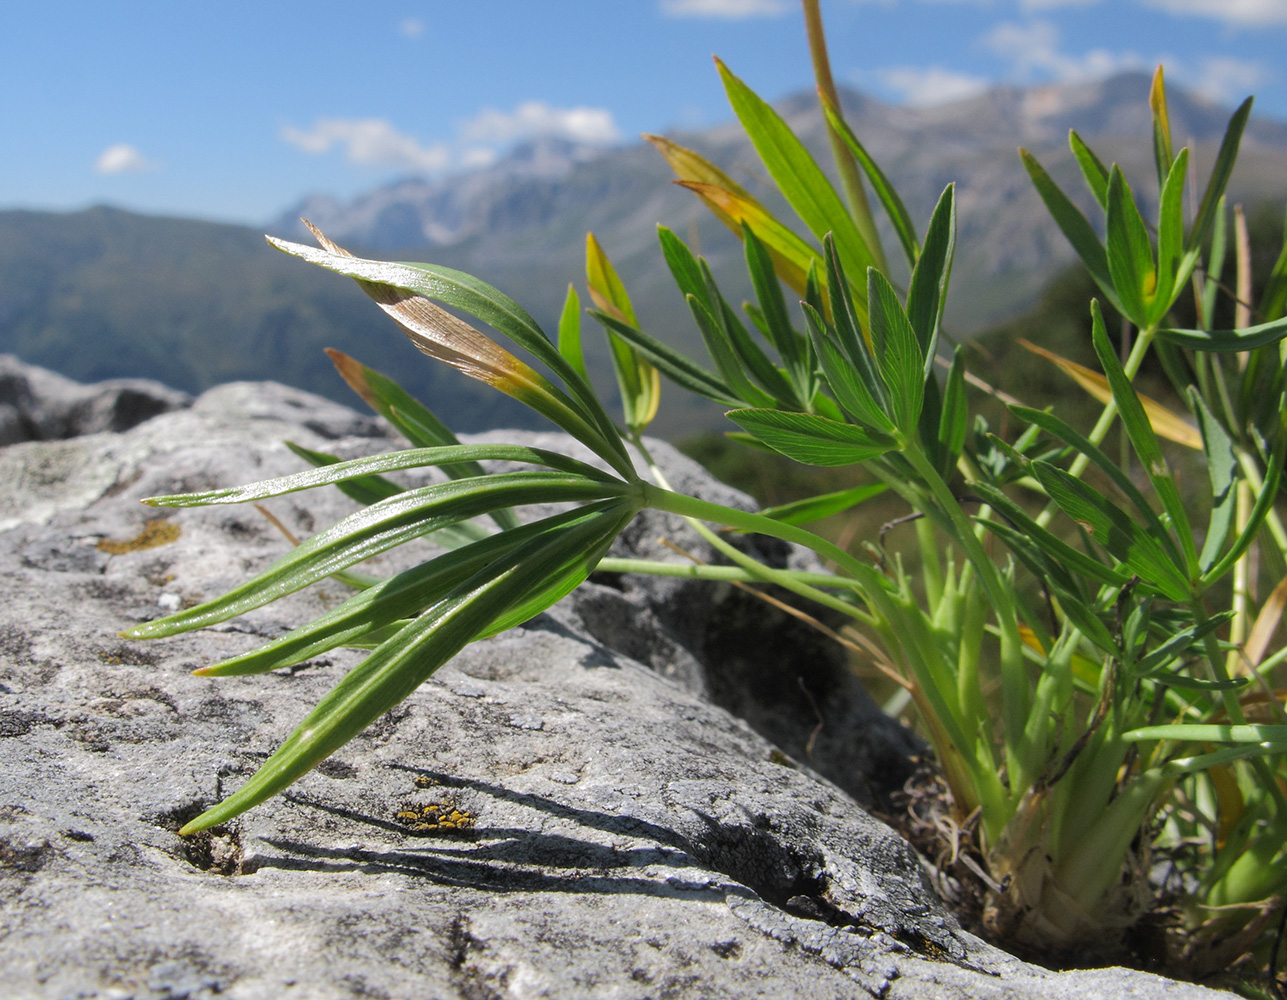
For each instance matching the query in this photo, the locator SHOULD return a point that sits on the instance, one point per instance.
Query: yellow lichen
(157, 532)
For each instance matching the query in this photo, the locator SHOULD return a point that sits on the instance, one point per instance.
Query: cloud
(1222, 78)
(374, 142)
(536, 118)
(369, 142)
(122, 158)
(1240, 13)
(1033, 50)
(930, 86)
(411, 27)
(728, 10)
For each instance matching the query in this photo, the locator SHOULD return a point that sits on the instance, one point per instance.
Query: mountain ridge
(105, 293)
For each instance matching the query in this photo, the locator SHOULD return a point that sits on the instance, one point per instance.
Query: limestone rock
(620, 830)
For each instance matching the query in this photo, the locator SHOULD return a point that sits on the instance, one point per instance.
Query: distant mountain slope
(527, 214)
(105, 293)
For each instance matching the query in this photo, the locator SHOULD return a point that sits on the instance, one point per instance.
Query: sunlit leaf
(638, 380)
(810, 439)
(1166, 423)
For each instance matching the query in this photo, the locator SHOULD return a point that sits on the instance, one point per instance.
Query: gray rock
(40, 405)
(622, 832)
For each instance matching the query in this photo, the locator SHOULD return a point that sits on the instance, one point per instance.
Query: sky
(234, 111)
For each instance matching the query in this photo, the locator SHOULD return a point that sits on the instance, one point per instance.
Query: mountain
(105, 293)
(524, 218)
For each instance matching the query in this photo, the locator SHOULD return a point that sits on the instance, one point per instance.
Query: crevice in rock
(217, 850)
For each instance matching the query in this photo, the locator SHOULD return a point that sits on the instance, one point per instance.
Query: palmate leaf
(404, 662)
(845, 380)
(378, 528)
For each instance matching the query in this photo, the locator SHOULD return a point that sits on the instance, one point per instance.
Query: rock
(613, 828)
(40, 405)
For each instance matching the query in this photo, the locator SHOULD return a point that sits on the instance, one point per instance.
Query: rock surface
(623, 832)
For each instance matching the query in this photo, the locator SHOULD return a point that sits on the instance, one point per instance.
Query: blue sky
(235, 110)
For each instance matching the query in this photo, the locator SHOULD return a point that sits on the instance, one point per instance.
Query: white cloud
(122, 158)
(930, 86)
(536, 118)
(1222, 78)
(1242, 13)
(1033, 50)
(411, 27)
(374, 142)
(370, 142)
(729, 10)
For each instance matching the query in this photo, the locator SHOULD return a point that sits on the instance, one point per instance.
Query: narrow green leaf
(1264, 501)
(1211, 733)
(824, 505)
(356, 468)
(679, 369)
(1092, 168)
(1247, 339)
(1222, 469)
(885, 192)
(798, 176)
(1220, 175)
(1052, 424)
(1056, 549)
(1175, 647)
(1173, 265)
(570, 332)
(366, 490)
(1273, 301)
(1130, 254)
(637, 378)
(1145, 442)
(1162, 155)
(1125, 540)
(590, 424)
(411, 418)
(927, 293)
(683, 265)
(750, 355)
(377, 529)
(391, 601)
(721, 352)
(768, 294)
(846, 380)
(897, 352)
(810, 439)
(403, 663)
(1074, 226)
(954, 416)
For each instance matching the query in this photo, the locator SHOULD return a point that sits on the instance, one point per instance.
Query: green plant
(1092, 671)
